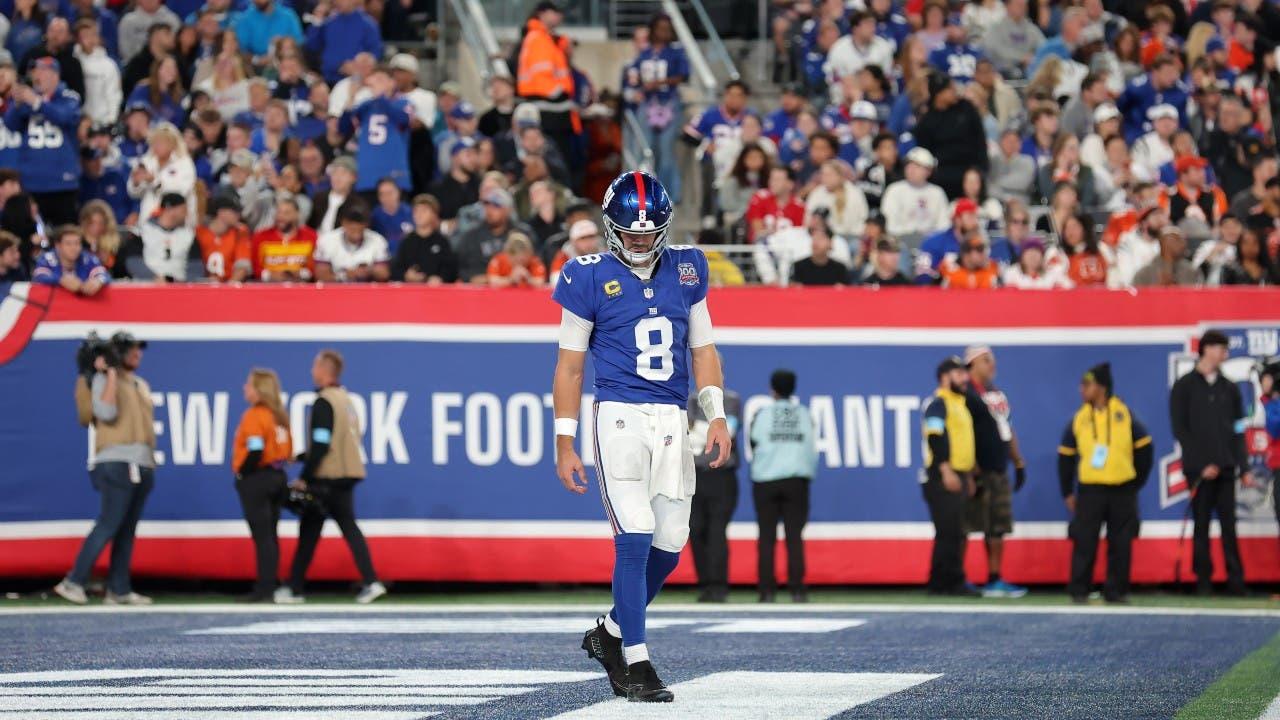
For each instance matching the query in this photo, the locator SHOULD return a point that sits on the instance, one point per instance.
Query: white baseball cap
(1105, 112)
(404, 61)
(1163, 110)
(863, 110)
(922, 157)
(581, 229)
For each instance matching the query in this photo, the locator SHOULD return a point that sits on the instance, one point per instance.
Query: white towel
(666, 463)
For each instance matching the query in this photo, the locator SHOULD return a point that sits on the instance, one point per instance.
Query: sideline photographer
(123, 469)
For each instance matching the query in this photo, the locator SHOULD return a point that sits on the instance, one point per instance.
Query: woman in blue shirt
(162, 92)
(653, 80)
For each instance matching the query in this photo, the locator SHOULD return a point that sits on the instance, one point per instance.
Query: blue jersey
(715, 124)
(110, 188)
(777, 123)
(894, 28)
(640, 339)
(957, 61)
(392, 226)
(48, 269)
(836, 121)
(650, 65)
(50, 156)
(382, 128)
(10, 146)
(1140, 96)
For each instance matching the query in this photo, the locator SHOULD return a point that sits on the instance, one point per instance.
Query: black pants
(713, 505)
(787, 499)
(58, 208)
(262, 492)
(339, 503)
(1216, 496)
(1117, 506)
(946, 510)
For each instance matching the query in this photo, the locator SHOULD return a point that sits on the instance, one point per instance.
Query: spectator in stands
(461, 185)
(381, 124)
(26, 28)
(1106, 123)
(1064, 203)
(815, 58)
(750, 173)
(544, 200)
(312, 170)
(289, 182)
(1248, 202)
(162, 92)
(227, 85)
(1161, 86)
(1088, 263)
(845, 205)
(659, 70)
(776, 207)
(479, 244)
(852, 52)
(165, 168)
(1115, 175)
(253, 116)
(1231, 146)
(352, 252)
(1002, 100)
(498, 118)
(914, 207)
(974, 189)
(350, 90)
(269, 139)
(1171, 266)
(1155, 149)
(59, 45)
(543, 75)
(283, 252)
(1219, 251)
(247, 178)
(1063, 45)
(1078, 116)
(1065, 167)
(584, 239)
(102, 93)
(1013, 41)
(1044, 130)
(325, 204)
(102, 237)
(12, 269)
(1013, 173)
(884, 266)
(50, 170)
(974, 270)
(136, 24)
(391, 217)
(339, 34)
(258, 25)
(425, 255)
(69, 264)
(1140, 246)
(470, 216)
(885, 169)
(933, 27)
(715, 125)
(1253, 265)
(952, 130)
(1031, 272)
(100, 182)
(169, 250)
(462, 124)
(790, 103)
(956, 59)
(517, 265)
(1017, 228)
(224, 242)
(160, 44)
(819, 268)
(1194, 204)
(823, 146)
(945, 246)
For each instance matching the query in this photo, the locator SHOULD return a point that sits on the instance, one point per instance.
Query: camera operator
(123, 469)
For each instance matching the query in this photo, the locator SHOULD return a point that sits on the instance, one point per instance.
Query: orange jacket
(959, 277)
(543, 70)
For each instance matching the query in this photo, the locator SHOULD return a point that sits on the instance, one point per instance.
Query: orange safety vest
(543, 65)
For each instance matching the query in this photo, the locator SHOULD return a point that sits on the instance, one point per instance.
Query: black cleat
(607, 649)
(643, 685)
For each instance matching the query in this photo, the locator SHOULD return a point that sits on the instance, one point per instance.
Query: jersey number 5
(377, 129)
(646, 330)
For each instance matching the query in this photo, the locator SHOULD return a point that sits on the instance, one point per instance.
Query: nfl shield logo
(666, 440)
(648, 293)
(620, 424)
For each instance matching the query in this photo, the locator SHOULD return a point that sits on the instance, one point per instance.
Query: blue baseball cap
(464, 143)
(47, 62)
(137, 106)
(1215, 44)
(463, 110)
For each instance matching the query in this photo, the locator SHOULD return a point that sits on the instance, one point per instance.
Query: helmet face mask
(637, 214)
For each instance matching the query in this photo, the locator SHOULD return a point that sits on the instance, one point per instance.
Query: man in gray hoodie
(1011, 42)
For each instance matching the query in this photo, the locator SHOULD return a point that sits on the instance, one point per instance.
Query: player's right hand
(572, 474)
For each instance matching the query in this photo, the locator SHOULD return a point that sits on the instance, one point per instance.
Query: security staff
(261, 448)
(949, 460)
(784, 459)
(714, 501)
(1208, 419)
(990, 510)
(332, 468)
(123, 471)
(1109, 452)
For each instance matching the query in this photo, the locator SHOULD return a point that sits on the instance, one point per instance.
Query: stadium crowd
(962, 144)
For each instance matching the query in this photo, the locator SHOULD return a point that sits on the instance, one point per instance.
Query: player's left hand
(570, 470)
(718, 437)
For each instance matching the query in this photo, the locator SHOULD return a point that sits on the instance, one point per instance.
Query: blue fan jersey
(958, 61)
(50, 157)
(383, 134)
(640, 339)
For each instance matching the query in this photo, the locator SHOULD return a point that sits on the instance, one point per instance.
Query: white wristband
(567, 427)
(711, 400)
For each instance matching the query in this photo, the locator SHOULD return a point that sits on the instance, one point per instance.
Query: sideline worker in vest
(262, 446)
(1109, 452)
(332, 469)
(949, 459)
(784, 458)
(123, 470)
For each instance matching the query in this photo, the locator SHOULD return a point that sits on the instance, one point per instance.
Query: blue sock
(631, 556)
(661, 564)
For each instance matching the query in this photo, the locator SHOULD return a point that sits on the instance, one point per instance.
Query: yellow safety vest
(959, 427)
(1111, 428)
